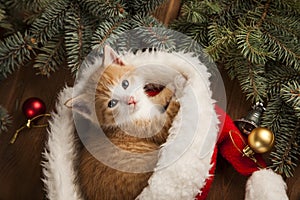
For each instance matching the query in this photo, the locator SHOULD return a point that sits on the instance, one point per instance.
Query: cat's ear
(80, 104)
(111, 57)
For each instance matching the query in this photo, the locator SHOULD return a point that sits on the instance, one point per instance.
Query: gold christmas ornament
(260, 140)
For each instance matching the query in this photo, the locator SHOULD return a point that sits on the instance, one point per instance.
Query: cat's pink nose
(131, 100)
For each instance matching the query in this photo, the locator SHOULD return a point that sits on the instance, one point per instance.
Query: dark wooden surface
(20, 169)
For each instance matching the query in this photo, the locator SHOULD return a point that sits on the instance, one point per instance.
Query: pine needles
(15, 50)
(54, 32)
(258, 42)
(5, 120)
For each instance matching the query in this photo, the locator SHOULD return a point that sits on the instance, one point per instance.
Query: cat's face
(120, 97)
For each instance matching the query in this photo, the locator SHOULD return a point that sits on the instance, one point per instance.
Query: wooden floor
(20, 170)
(20, 163)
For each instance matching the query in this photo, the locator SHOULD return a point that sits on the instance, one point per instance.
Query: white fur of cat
(181, 170)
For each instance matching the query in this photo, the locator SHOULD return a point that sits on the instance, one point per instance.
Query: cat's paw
(179, 82)
(177, 85)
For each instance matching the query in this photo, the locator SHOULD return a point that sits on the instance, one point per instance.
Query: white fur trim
(265, 185)
(185, 177)
(60, 152)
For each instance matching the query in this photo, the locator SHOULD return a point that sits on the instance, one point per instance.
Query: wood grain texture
(168, 11)
(20, 169)
(228, 183)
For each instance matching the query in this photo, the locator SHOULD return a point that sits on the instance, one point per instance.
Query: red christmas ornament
(33, 107)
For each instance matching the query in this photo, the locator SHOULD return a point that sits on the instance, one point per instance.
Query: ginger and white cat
(133, 121)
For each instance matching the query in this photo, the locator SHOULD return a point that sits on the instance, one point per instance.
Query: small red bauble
(33, 107)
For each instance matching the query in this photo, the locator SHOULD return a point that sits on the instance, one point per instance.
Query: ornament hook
(29, 125)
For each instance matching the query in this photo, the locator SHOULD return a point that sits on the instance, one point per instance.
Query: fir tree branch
(142, 7)
(74, 38)
(3, 19)
(264, 14)
(282, 51)
(263, 55)
(51, 22)
(277, 76)
(104, 8)
(5, 120)
(191, 12)
(221, 39)
(276, 24)
(291, 95)
(285, 158)
(15, 50)
(144, 21)
(197, 32)
(2, 14)
(156, 37)
(252, 81)
(273, 115)
(233, 61)
(283, 123)
(51, 57)
(27, 5)
(249, 40)
(110, 28)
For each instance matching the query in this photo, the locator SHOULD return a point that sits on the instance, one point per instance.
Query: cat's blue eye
(125, 84)
(112, 103)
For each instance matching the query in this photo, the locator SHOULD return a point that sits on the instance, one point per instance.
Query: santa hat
(187, 176)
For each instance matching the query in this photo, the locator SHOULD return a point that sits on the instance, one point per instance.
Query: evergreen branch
(220, 40)
(191, 12)
(264, 14)
(249, 40)
(277, 76)
(30, 10)
(197, 32)
(291, 95)
(282, 51)
(5, 120)
(156, 37)
(110, 28)
(51, 22)
(27, 5)
(3, 19)
(199, 11)
(283, 123)
(273, 115)
(263, 54)
(51, 57)
(14, 52)
(286, 7)
(142, 7)
(136, 34)
(141, 21)
(233, 61)
(2, 14)
(252, 81)
(287, 151)
(276, 25)
(74, 38)
(104, 8)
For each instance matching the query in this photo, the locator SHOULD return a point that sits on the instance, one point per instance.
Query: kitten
(132, 121)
